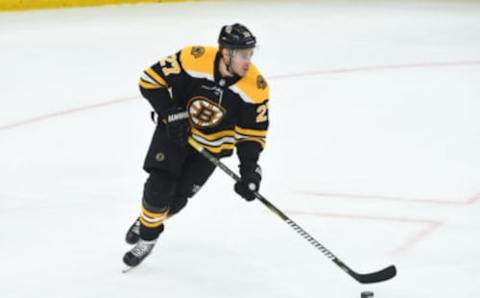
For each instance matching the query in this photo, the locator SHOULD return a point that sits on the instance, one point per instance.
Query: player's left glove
(249, 183)
(177, 124)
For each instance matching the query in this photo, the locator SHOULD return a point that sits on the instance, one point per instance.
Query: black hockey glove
(177, 125)
(249, 183)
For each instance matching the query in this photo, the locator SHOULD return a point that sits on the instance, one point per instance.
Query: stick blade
(379, 276)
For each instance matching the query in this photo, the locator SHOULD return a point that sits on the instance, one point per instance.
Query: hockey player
(215, 96)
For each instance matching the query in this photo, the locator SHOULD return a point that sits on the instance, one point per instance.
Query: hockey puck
(367, 294)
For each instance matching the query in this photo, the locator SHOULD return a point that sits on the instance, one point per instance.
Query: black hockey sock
(149, 234)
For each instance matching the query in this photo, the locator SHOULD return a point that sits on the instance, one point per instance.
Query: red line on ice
(423, 233)
(376, 68)
(65, 112)
(469, 201)
(272, 77)
(417, 237)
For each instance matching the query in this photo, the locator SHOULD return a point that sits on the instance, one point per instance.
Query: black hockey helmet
(236, 36)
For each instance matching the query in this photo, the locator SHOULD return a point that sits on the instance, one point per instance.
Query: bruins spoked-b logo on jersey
(197, 51)
(261, 83)
(204, 113)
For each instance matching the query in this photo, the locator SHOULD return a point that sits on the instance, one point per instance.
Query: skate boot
(139, 252)
(133, 233)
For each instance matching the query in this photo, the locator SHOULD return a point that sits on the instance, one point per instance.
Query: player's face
(241, 61)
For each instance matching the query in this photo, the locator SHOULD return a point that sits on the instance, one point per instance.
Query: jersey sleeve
(158, 78)
(250, 134)
(253, 124)
(163, 74)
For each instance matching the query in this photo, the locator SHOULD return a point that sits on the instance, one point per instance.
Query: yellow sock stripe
(251, 132)
(154, 215)
(156, 77)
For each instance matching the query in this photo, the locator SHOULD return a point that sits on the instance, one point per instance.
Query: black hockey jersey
(223, 111)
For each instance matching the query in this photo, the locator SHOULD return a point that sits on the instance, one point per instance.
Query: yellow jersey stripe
(218, 149)
(251, 132)
(147, 85)
(156, 77)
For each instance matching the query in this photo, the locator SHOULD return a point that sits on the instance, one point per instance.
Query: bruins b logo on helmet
(197, 52)
(261, 83)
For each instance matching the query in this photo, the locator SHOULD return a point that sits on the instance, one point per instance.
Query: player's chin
(242, 72)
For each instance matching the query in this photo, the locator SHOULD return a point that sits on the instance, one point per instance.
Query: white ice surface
(373, 149)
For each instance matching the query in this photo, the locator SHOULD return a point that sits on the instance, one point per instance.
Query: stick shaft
(384, 274)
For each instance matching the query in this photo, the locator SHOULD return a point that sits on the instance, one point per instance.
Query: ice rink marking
(44, 117)
(471, 200)
(430, 225)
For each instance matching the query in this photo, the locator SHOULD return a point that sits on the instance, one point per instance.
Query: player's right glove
(249, 183)
(177, 125)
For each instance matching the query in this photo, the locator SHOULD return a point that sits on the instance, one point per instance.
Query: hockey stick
(378, 276)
